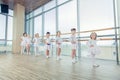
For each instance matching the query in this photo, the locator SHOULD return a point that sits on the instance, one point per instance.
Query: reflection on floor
(24, 67)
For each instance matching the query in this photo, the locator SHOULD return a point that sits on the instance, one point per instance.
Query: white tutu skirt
(74, 46)
(47, 47)
(23, 44)
(58, 46)
(94, 50)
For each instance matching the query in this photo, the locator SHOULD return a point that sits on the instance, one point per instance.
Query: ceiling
(30, 5)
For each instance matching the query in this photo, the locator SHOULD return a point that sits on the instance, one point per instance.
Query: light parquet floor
(29, 67)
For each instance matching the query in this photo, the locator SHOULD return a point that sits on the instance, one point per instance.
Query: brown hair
(47, 32)
(73, 29)
(92, 34)
(24, 33)
(57, 32)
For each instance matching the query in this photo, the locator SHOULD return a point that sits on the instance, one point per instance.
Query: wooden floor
(24, 67)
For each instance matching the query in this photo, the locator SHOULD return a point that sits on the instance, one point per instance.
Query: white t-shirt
(73, 39)
(91, 42)
(59, 40)
(92, 47)
(24, 41)
(36, 40)
(28, 40)
(48, 41)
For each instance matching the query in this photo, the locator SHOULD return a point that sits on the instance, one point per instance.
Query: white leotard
(58, 42)
(95, 49)
(73, 41)
(48, 43)
(24, 41)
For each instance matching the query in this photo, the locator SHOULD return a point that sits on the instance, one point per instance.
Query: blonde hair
(37, 35)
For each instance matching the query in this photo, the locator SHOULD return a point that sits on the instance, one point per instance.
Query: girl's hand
(73, 42)
(91, 45)
(58, 43)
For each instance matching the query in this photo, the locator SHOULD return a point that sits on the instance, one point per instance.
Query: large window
(49, 5)
(38, 25)
(10, 28)
(50, 25)
(67, 17)
(6, 28)
(30, 15)
(37, 11)
(98, 14)
(50, 22)
(2, 26)
(9, 33)
(29, 27)
(95, 14)
(61, 1)
(84, 16)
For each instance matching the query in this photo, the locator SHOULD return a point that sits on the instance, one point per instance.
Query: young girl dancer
(48, 44)
(93, 48)
(58, 44)
(73, 41)
(36, 41)
(23, 42)
(28, 43)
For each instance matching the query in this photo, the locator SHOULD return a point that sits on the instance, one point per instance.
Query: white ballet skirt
(48, 44)
(73, 39)
(28, 40)
(24, 41)
(93, 50)
(58, 42)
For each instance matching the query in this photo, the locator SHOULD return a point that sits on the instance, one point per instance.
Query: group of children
(26, 42)
(59, 41)
(93, 48)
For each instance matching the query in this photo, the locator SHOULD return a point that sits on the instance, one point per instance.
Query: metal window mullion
(33, 25)
(115, 25)
(6, 30)
(78, 28)
(43, 19)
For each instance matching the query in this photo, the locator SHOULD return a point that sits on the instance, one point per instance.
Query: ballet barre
(95, 30)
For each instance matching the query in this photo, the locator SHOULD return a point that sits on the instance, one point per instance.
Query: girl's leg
(29, 49)
(47, 53)
(93, 59)
(73, 55)
(35, 50)
(58, 53)
(38, 51)
(22, 49)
